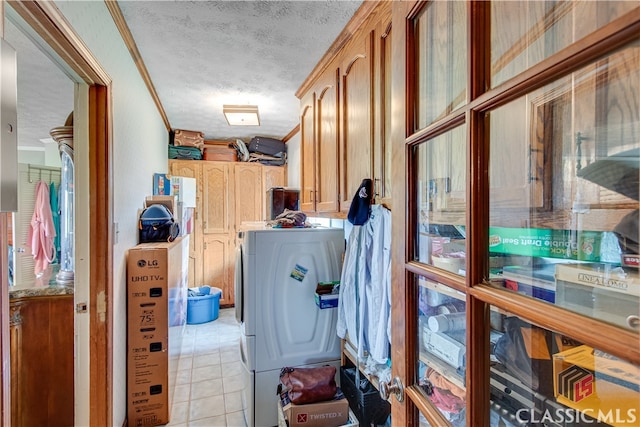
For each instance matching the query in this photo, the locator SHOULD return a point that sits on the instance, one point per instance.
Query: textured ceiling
(45, 93)
(201, 55)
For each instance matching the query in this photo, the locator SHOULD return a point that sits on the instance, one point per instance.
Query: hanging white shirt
(364, 306)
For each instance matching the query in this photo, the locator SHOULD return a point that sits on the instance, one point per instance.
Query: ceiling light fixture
(241, 115)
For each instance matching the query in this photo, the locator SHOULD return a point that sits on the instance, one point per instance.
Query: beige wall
(139, 150)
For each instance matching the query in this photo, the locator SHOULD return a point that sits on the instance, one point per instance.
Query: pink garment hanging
(42, 231)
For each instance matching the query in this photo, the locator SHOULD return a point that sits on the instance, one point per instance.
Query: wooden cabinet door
(217, 260)
(273, 176)
(42, 361)
(326, 148)
(248, 193)
(193, 169)
(216, 219)
(356, 148)
(307, 153)
(602, 105)
(216, 207)
(382, 106)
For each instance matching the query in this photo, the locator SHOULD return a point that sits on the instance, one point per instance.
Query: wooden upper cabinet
(356, 148)
(326, 94)
(248, 193)
(307, 153)
(382, 111)
(187, 168)
(345, 119)
(319, 153)
(273, 176)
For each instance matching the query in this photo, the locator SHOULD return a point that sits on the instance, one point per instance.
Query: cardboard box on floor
(282, 421)
(330, 413)
(156, 301)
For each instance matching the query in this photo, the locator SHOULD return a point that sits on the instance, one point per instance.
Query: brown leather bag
(188, 138)
(309, 385)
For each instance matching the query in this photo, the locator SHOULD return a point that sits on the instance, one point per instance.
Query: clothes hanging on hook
(42, 231)
(364, 304)
(55, 214)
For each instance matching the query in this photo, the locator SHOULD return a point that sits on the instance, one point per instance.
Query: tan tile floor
(209, 384)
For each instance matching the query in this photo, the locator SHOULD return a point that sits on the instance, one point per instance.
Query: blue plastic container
(204, 308)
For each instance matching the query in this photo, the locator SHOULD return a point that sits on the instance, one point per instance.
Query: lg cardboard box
(156, 312)
(331, 413)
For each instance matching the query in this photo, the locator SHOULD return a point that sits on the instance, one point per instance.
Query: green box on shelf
(538, 242)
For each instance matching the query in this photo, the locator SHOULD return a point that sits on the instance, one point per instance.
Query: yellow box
(597, 384)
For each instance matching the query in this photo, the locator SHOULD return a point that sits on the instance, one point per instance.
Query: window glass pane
(564, 185)
(441, 60)
(442, 354)
(424, 422)
(441, 201)
(524, 33)
(539, 377)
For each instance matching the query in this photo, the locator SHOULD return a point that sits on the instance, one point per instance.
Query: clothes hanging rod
(38, 169)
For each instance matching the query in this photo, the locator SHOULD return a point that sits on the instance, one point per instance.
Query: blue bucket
(203, 308)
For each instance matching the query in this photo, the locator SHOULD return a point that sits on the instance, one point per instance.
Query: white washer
(277, 271)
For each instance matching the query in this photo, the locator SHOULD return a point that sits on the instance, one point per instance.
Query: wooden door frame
(401, 412)
(46, 20)
(479, 295)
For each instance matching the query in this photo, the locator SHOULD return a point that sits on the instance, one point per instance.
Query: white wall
(31, 156)
(293, 162)
(48, 155)
(139, 149)
(52, 155)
